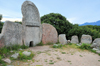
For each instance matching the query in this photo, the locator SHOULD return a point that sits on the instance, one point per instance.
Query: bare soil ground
(46, 56)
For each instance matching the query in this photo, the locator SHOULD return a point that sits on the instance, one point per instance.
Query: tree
(80, 30)
(58, 21)
(0, 17)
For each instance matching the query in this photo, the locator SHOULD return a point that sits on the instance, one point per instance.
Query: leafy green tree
(80, 30)
(18, 22)
(0, 17)
(1, 25)
(58, 21)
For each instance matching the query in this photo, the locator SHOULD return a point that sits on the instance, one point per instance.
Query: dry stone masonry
(50, 34)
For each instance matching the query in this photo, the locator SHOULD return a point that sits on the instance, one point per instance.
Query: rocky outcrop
(49, 34)
(74, 39)
(68, 41)
(86, 39)
(62, 39)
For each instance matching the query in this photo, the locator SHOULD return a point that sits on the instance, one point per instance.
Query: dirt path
(46, 56)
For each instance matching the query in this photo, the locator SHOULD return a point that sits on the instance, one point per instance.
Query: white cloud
(72, 20)
(11, 19)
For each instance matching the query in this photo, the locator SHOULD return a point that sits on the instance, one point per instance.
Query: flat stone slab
(7, 60)
(62, 39)
(15, 56)
(26, 53)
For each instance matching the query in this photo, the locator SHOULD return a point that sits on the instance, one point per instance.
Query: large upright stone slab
(62, 39)
(86, 39)
(12, 33)
(74, 39)
(50, 34)
(96, 43)
(32, 32)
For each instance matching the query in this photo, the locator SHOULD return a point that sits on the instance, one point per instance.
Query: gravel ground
(46, 56)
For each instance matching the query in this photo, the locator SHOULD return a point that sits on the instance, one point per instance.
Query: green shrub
(85, 46)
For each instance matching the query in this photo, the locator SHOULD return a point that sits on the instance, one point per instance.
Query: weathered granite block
(12, 33)
(50, 34)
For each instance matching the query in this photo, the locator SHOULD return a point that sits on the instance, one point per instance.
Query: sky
(76, 11)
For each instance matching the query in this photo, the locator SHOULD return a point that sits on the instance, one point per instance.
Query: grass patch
(57, 46)
(23, 57)
(51, 63)
(5, 51)
(68, 61)
(81, 56)
(63, 52)
(48, 54)
(58, 58)
(33, 60)
(45, 60)
(71, 54)
(85, 46)
(99, 60)
(39, 65)
(38, 52)
(2, 63)
(49, 43)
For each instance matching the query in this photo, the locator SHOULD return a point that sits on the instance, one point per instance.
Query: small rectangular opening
(31, 44)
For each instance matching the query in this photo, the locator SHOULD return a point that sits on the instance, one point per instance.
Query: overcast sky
(76, 11)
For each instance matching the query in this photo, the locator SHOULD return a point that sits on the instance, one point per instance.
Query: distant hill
(91, 23)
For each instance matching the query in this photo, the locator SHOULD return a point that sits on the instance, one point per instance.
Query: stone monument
(32, 32)
(12, 33)
(74, 39)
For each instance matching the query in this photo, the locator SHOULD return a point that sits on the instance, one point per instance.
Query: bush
(80, 30)
(60, 22)
(85, 46)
